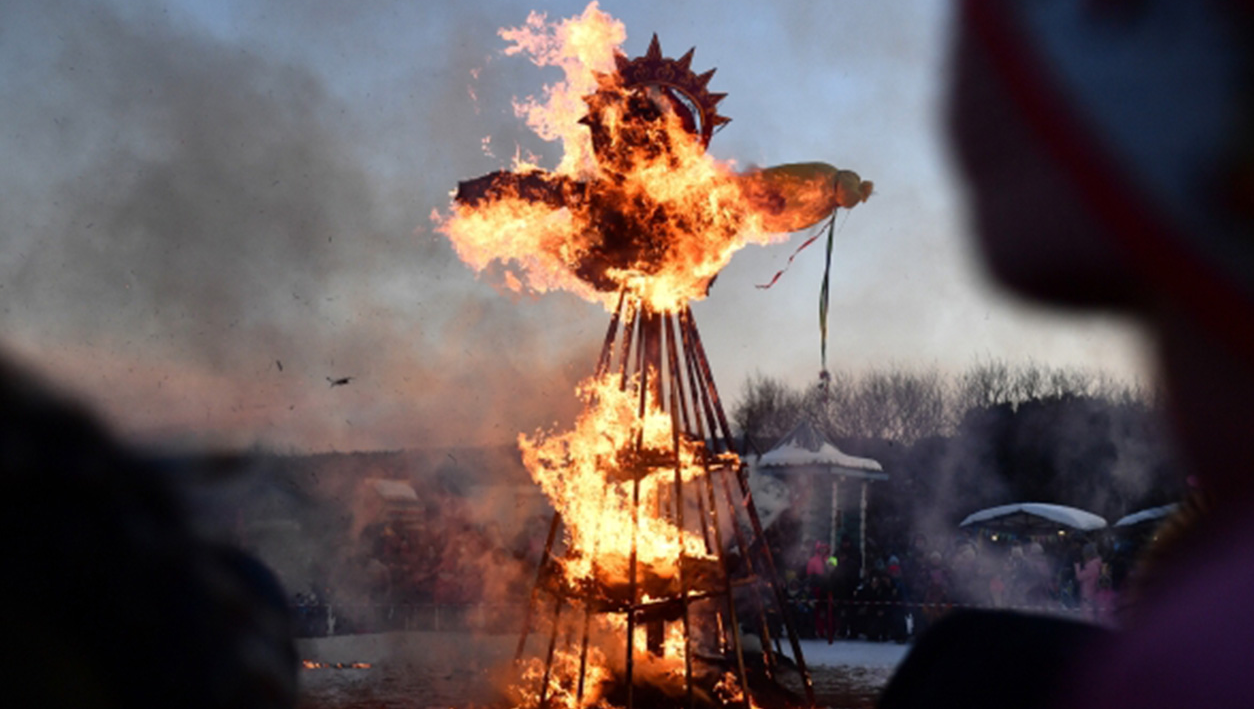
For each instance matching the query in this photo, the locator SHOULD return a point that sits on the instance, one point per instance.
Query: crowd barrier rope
(947, 605)
(321, 620)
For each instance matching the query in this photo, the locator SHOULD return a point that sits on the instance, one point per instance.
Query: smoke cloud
(212, 208)
(206, 234)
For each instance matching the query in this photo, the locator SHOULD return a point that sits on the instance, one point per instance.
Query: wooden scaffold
(660, 359)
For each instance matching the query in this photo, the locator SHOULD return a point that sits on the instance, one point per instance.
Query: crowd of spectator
(445, 561)
(898, 593)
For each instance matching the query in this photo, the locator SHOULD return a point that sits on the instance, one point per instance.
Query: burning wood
(647, 488)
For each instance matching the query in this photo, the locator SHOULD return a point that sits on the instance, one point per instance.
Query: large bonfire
(635, 212)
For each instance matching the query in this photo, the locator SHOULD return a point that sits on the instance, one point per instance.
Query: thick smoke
(201, 234)
(198, 189)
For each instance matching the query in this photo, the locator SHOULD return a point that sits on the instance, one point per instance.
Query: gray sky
(197, 191)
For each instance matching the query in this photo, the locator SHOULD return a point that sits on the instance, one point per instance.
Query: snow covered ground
(853, 653)
(419, 670)
(850, 673)
(409, 670)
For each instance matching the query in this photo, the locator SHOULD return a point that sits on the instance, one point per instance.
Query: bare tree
(995, 382)
(984, 384)
(767, 409)
(921, 405)
(829, 405)
(891, 403)
(898, 404)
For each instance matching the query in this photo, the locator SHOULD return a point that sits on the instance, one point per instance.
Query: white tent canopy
(1147, 515)
(818, 476)
(1038, 516)
(805, 447)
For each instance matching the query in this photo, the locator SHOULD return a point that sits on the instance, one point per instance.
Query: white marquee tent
(1034, 518)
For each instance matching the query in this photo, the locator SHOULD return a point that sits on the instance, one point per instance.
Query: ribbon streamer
(825, 291)
(788, 265)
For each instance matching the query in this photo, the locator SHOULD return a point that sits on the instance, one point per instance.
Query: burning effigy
(661, 558)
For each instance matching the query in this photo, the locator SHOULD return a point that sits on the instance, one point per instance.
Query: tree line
(995, 433)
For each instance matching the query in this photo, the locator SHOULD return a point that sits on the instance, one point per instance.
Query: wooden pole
(676, 402)
(771, 576)
(535, 587)
(727, 587)
(548, 657)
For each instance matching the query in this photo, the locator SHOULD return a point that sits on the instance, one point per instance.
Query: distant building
(394, 503)
(828, 488)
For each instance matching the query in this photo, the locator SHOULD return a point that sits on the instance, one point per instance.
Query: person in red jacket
(819, 579)
(1087, 573)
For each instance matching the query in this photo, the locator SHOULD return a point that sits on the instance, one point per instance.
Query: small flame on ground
(563, 682)
(316, 665)
(729, 692)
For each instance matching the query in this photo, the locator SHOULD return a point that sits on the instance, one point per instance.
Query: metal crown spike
(685, 62)
(655, 50)
(653, 68)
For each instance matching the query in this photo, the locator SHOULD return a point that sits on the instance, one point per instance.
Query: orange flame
(640, 205)
(562, 688)
(636, 207)
(586, 474)
(728, 691)
(580, 46)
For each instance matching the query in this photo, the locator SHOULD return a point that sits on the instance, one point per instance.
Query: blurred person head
(111, 598)
(1109, 149)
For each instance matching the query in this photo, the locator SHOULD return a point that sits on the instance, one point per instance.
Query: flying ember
(648, 491)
